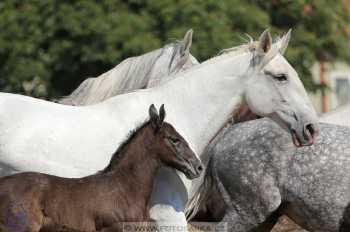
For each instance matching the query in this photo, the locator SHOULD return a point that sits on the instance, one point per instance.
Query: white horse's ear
(269, 56)
(285, 41)
(265, 42)
(265, 51)
(187, 41)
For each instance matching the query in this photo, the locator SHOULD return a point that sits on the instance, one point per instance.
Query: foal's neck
(136, 162)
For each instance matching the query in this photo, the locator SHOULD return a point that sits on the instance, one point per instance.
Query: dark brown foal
(120, 193)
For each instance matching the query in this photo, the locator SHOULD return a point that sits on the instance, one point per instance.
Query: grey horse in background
(256, 174)
(139, 72)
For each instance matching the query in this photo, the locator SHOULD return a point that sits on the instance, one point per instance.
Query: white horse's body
(339, 116)
(58, 152)
(76, 141)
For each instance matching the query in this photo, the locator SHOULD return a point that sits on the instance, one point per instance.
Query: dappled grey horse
(134, 73)
(339, 116)
(256, 174)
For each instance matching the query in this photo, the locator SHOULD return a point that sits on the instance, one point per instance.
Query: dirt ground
(285, 225)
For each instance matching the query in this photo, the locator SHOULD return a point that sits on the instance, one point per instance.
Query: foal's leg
(168, 201)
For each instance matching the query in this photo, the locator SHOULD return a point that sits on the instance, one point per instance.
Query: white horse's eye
(280, 77)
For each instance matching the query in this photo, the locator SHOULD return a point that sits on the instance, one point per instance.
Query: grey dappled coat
(258, 170)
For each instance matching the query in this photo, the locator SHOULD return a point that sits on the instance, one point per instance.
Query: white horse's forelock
(280, 43)
(132, 73)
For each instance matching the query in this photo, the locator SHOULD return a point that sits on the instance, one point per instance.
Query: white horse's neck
(200, 101)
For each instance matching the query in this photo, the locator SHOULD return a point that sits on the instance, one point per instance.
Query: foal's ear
(265, 42)
(187, 41)
(162, 115)
(153, 115)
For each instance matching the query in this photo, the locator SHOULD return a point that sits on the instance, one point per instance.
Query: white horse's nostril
(199, 168)
(310, 130)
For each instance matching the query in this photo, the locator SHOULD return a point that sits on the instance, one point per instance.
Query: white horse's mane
(250, 46)
(94, 90)
(133, 74)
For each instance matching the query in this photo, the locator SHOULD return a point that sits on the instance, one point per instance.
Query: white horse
(68, 141)
(133, 73)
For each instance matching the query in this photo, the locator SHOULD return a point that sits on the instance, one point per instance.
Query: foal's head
(170, 147)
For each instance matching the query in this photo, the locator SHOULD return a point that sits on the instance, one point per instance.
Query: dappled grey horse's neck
(133, 73)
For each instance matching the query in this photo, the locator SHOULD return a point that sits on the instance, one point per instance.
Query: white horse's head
(274, 90)
(176, 57)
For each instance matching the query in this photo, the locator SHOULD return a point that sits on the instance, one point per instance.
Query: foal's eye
(280, 77)
(174, 140)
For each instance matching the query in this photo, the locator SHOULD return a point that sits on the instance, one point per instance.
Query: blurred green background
(47, 47)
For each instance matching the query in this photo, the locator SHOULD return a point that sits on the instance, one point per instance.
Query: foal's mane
(118, 154)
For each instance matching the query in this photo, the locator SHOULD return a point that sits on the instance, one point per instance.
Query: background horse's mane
(116, 157)
(132, 73)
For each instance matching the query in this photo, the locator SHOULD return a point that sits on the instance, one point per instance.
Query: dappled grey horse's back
(258, 169)
(339, 116)
(134, 73)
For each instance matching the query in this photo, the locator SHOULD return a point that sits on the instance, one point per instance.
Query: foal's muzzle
(194, 169)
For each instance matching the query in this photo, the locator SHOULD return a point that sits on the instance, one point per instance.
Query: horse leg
(248, 207)
(168, 200)
(269, 223)
(234, 222)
